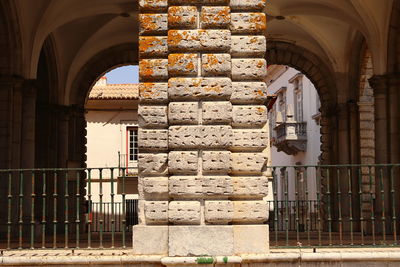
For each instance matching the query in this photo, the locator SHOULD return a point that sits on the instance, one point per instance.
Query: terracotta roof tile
(114, 91)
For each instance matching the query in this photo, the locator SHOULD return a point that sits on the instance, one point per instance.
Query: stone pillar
(203, 135)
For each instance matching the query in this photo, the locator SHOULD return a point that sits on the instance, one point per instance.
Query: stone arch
(101, 63)
(10, 40)
(284, 53)
(394, 40)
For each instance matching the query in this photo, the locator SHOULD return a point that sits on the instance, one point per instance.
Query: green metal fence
(310, 206)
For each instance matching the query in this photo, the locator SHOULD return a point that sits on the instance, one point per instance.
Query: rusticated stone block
(153, 5)
(152, 116)
(184, 40)
(153, 92)
(183, 17)
(216, 64)
(249, 116)
(154, 187)
(153, 24)
(249, 69)
(215, 40)
(185, 2)
(199, 88)
(183, 64)
(248, 163)
(200, 240)
(216, 161)
(248, 23)
(199, 40)
(249, 92)
(149, 163)
(217, 186)
(153, 139)
(250, 140)
(153, 46)
(218, 212)
(200, 136)
(215, 16)
(217, 112)
(185, 187)
(153, 69)
(250, 187)
(248, 212)
(248, 46)
(184, 162)
(183, 113)
(184, 212)
(247, 4)
(156, 212)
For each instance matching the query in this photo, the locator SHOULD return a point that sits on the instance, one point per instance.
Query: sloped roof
(114, 91)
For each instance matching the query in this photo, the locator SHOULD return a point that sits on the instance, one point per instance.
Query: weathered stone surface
(249, 69)
(199, 88)
(248, 163)
(153, 46)
(185, 187)
(183, 64)
(215, 64)
(184, 40)
(156, 212)
(156, 163)
(200, 136)
(182, 17)
(184, 212)
(151, 116)
(247, 4)
(250, 211)
(215, 16)
(217, 112)
(153, 92)
(250, 187)
(249, 92)
(199, 40)
(150, 240)
(154, 187)
(249, 116)
(153, 24)
(249, 140)
(200, 240)
(213, 2)
(215, 40)
(153, 69)
(183, 113)
(218, 212)
(153, 139)
(248, 23)
(216, 161)
(251, 239)
(248, 46)
(151, 5)
(217, 186)
(183, 162)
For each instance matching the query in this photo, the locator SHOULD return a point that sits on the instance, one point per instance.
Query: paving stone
(184, 212)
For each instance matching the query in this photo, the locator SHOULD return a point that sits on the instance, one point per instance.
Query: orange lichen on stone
(148, 42)
(182, 16)
(145, 68)
(260, 64)
(260, 93)
(147, 22)
(260, 110)
(259, 21)
(216, 15)
(182, 63)
(211, 60)
(146, 90)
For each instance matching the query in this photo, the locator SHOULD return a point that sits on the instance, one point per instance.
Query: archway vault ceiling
(82, 29)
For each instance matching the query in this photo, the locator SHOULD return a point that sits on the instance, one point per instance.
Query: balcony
(291, 137)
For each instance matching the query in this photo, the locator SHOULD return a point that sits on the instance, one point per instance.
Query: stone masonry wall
(203, 135)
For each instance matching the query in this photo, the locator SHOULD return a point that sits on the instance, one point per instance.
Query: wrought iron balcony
(291, 137)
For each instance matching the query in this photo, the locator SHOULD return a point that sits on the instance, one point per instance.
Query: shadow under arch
(285, 53)
(97, 66)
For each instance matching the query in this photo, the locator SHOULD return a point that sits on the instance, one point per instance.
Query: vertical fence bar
(21, 212)
(101, 206)
(393, 193)
(89, 208)
(44, 195)
(297, 203)
(328, 193)
(123, 209)
(78, 196)
(308, 207)
(383, 205)
(112, 210)
(275, 188)
(339, 196)
(372, 204)
(55, 196)
(318, 174)
(66, 202)
(360, 194)
(33, 210)
(9, 223)
(350, 195)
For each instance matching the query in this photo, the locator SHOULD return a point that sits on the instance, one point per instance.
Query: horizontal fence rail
(310, 206)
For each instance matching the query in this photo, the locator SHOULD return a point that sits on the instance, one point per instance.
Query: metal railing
(310, 206)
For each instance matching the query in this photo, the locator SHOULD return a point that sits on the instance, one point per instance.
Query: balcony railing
(291, 137)
(310, 206)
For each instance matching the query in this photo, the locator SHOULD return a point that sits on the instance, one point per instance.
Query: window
(298, 98)
(282, 102)
(132, 136)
